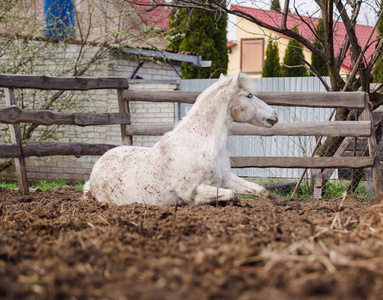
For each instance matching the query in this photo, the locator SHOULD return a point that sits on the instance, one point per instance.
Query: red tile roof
(158, 15)
(273, 18)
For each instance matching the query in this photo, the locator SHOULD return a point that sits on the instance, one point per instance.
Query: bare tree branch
(327, 8)
(285, 13)
(217, 5)
(350, 27)
(313, 71)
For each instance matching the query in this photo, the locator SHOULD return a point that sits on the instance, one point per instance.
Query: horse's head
(244, 107)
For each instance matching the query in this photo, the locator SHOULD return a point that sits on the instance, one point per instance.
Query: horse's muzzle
(272, 121)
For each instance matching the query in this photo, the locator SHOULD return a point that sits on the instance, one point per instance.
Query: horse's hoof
(279, 201)
(87, 196)
(235, 198)
(104, 205)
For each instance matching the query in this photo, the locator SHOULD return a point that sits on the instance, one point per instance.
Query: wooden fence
(14, 115)
(363, 128)
(20, 149)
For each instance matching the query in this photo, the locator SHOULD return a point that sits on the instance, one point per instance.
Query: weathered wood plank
(302, 162)
(118, 118)
(123, 107)
(9, 151)
(325, 128)
(377, 169)
(86, 119)
(161, 96)
(318, 99)
(40, 149)
(325, 99)
(20, 166)
(149, 129)
(317, 177)
(344, 128)
(62, 83)
(14, 115)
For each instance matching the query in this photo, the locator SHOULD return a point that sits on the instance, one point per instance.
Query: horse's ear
(236, 78)
(222, 76)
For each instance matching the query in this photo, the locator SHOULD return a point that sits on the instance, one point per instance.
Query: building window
(252, 55)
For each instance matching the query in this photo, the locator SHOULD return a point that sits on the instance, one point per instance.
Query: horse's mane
(245, 82)
(220, 82)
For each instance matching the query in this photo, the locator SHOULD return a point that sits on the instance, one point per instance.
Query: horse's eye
(250, 96)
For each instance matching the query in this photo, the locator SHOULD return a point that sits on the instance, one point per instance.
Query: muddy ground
(53, 245)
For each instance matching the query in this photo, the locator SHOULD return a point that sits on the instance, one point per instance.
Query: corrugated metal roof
(191, 58)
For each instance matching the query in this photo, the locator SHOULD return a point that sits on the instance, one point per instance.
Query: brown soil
(53, 245)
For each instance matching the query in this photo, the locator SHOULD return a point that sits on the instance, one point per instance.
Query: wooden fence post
(123, 107)
(21, 171)
(377, 173)
(317, 183)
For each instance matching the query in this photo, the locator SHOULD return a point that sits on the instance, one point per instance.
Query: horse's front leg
(205, 194)
(245, 187)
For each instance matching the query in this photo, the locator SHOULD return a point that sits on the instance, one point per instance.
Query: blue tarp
(60, 19)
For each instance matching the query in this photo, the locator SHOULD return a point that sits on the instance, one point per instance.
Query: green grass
(79, 185)
(41, 184)
(9, 185)
(333, 189)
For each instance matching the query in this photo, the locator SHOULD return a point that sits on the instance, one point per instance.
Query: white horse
(189, 165)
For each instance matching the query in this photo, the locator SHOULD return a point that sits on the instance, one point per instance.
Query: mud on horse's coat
(189, 165)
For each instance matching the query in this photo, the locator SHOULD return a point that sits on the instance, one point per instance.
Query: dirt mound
(54, 245)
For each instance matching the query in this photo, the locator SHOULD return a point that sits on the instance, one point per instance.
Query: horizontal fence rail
(302, 162)
(14, 114)
(354, 100)
(62, 83)
(341, 128)
(42, 149)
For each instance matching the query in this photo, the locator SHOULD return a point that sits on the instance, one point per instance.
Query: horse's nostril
(272, 121)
